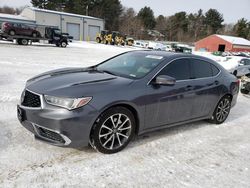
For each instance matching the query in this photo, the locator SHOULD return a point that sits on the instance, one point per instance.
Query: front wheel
(12, 32)
(244, 91)
(34, 35)
(113, 130)
(98, 40)
(63, 44)
(222, 110)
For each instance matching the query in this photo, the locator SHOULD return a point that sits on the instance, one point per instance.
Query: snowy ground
(193, 155)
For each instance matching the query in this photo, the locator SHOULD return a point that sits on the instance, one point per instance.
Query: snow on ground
(192, 155)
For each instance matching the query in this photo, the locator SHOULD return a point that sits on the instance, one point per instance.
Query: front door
(171, 104)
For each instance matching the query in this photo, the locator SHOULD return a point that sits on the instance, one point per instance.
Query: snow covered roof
(63, 13)
(235, 40)
(14, 17)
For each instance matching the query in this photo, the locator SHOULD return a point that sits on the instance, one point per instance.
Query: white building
(79, 26)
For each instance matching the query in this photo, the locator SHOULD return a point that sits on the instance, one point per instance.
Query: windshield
(57, 31)
(132, 65)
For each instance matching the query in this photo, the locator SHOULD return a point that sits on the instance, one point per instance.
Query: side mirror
(165, 80)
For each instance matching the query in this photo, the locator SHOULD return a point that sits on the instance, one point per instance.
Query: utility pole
(87, 10)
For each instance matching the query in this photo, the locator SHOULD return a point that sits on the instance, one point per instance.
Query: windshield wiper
(106, 71)
(94, 68)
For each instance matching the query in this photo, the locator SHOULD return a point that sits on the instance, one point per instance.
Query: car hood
(74, 82)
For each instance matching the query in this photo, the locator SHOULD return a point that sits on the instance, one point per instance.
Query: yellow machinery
(113, 38)
(100, 38)
(130, 41)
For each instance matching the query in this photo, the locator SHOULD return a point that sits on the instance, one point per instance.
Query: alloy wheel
(223, 109)
(115, 131)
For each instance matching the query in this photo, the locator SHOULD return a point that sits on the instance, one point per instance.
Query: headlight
(69, 103)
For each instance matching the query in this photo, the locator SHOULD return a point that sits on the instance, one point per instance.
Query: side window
(178, 69)
(215, 70)
(201, 69)
(245, 61)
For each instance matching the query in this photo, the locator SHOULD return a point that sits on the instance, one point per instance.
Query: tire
(244, 91)
(12, 32)
(23, 42)
(98, 40)
(113, 130)
(221, 111)
(34, 34)
(19, 42)
(63, 44)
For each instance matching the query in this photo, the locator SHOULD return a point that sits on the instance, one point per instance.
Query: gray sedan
(130, 94)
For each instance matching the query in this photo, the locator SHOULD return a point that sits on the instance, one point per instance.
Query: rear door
(206, 86)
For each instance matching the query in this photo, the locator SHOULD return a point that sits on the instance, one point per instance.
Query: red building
(223, 43)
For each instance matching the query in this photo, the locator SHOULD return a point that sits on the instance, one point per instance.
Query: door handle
(216, 82)
(189, 88)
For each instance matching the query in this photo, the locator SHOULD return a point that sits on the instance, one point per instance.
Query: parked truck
(25, 34)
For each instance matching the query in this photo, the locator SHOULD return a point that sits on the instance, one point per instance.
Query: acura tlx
(130, 94)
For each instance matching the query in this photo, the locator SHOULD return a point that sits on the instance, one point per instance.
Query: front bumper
(59, 126)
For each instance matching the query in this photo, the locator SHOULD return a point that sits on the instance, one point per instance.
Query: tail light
(238, 82)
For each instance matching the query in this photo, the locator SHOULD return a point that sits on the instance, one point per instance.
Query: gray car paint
(155, 107)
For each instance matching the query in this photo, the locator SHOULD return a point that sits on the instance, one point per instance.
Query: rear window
(245, 61)
(203, 69)
(215, 70)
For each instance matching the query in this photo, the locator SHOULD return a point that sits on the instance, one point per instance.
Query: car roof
(164, 53)
(173, 55)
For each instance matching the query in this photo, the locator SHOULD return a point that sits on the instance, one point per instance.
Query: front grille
(50, 135)
(31, 100)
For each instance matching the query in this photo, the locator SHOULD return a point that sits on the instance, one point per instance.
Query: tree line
(178, 27)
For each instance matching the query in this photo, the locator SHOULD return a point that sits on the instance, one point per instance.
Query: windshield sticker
(154, 57)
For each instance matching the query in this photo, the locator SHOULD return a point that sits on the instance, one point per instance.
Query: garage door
(93, 30)
(74, 30)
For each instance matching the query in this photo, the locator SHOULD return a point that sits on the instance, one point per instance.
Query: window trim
(210, 67)
(187, 79)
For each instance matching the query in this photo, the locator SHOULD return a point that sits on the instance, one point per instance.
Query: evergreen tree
(213, 20)
(242, 28)
(146, 15)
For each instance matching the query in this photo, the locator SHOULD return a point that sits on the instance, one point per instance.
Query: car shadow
(170, 131)
(155, 135)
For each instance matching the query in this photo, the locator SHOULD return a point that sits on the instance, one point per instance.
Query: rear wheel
(222, 110)
(113, 130)
(23, 41)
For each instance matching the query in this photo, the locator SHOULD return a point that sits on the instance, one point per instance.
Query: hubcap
(115, 131)
(24, 42)
(63, 44)
(223, 110)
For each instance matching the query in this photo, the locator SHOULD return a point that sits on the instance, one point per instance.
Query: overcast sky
(232, 10)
